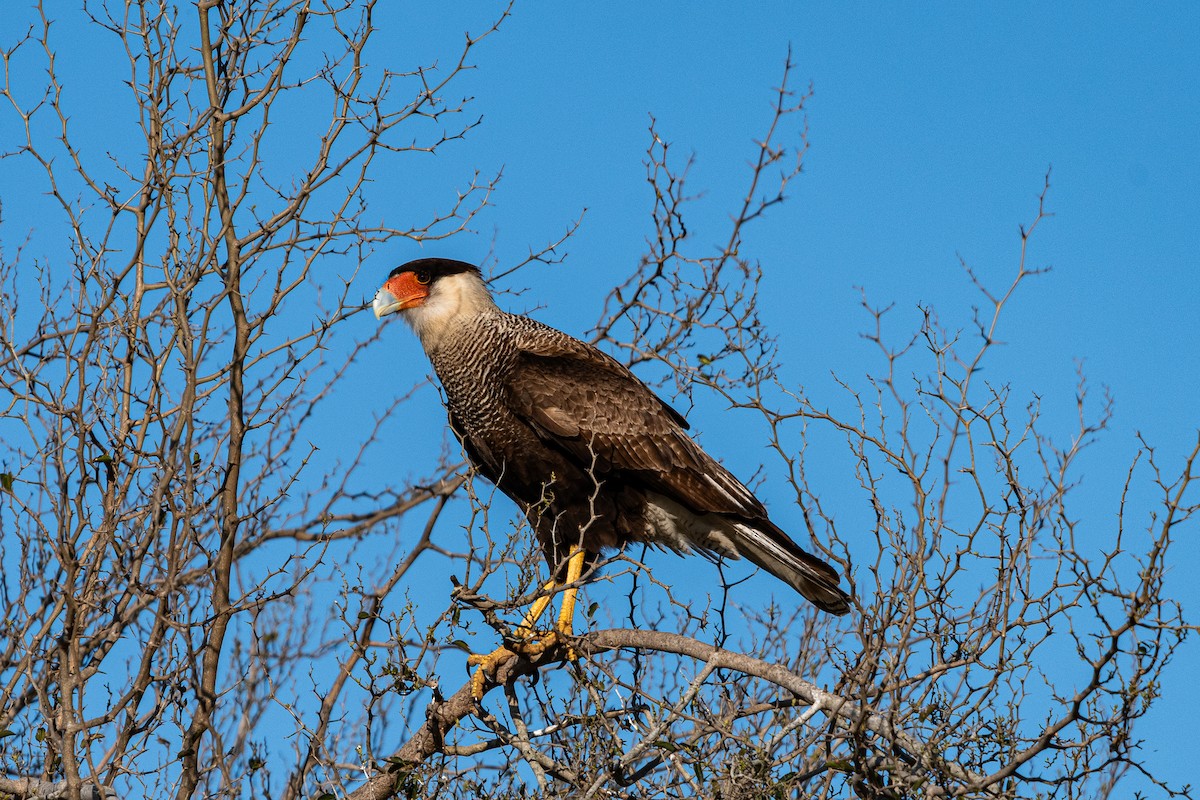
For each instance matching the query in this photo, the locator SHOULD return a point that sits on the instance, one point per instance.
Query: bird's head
(431, 293)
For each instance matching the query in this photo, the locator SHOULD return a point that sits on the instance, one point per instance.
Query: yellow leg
(488, 663)
(536, 610)
(574, 569)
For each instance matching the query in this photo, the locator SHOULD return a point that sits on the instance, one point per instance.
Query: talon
(533, 649)
(487, 666)
(529, 645)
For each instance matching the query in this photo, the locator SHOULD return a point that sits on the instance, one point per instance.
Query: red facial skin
(407, 289)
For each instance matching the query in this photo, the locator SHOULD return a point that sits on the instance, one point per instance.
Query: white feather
(672, 525)
(452, 298)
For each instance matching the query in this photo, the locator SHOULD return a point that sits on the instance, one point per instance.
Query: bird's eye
(422, 277)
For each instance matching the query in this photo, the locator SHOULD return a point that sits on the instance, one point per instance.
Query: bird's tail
(770, 548)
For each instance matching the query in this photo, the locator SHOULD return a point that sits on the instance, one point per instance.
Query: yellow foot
(528, 646)
(488, 664)
(532, 649)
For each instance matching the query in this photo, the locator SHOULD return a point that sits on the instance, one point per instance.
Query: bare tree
(162, 529)
(197, 602)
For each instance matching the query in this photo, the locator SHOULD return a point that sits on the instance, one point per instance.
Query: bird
(591, 455)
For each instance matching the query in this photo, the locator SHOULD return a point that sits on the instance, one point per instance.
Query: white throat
(452, 299)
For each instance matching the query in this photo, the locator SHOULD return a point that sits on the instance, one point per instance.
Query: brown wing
(587, 404)
(591, 408)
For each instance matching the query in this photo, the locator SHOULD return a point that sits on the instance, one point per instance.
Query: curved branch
(442, 715)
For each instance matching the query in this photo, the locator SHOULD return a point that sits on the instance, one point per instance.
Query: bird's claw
(533, 649)
(487, 667)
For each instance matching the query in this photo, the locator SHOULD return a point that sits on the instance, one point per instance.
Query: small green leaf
(6, 481)
(6, 733)
(461, 645)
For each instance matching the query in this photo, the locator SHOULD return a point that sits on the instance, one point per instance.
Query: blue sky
(930, 134)
(930, 128)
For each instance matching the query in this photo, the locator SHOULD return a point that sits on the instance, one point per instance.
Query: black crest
(436, 267)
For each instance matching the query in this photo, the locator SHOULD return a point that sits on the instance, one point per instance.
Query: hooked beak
(386, 303)
(401, 292)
